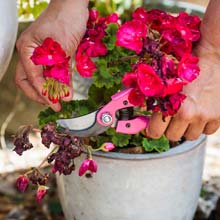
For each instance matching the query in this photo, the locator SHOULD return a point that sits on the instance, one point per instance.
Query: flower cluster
(66, 149)
(92, 44)
(55, 69)
(37, 178)
(162, 47)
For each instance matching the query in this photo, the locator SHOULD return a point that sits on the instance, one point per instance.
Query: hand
(65, 22)
(200, 112)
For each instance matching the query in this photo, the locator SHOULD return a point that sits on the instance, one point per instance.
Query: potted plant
(151, 55)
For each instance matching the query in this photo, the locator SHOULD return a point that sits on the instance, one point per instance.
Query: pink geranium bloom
(93, 48)
(49, 53)
(85, 66)
(88, 165)
(148, 81)
(140, 14)
(159, 20)
(130, 80)
(41, 192)
(177, 44)
(131, 34)
(192, 23)
(173, 86)
(93, 15)
(188, 68)
(112, 18)
(59, 72)
(136, 97)
(172, 105)
(22, 183)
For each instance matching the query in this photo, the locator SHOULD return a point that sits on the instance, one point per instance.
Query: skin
(200, 112)
(65, 21)
(62, 21)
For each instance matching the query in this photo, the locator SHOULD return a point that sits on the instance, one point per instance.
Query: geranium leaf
(160, 145)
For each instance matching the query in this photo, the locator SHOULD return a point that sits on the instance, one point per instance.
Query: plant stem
(45, 159)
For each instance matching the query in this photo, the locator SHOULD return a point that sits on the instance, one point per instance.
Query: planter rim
(179, 149)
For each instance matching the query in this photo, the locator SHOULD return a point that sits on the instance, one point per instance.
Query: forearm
(210, 26)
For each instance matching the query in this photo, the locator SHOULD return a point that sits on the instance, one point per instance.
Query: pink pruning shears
(117, 113)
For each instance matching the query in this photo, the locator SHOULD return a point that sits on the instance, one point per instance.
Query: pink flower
(59, 72)
(92, 48)
(192, 23)
(108, 146)
(41, 192)
(173, 86)
(140, 14)
(188, 68)
(93, 15)
(130, 80)
(49, 53)
(159, 20)
(85, 66)
(112, 18)
(169, 68)
(177, 44)
(148, 81)
(136, 97)
(88, 164)
(173, 104)
(131, 34)
(22, 183)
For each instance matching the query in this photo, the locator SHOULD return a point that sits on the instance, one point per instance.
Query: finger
(211, 127)
(35, 76)
(176, 128)
(22, 82)
(194, 130)
(157, 125)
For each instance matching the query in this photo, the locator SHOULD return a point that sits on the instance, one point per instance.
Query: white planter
(8, 32)
(144, 187)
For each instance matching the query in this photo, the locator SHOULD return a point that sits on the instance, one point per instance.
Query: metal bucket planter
(145, 187)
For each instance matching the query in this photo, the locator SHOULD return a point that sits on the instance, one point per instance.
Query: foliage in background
(30, 9)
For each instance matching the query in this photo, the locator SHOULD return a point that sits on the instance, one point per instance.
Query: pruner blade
(83, 126)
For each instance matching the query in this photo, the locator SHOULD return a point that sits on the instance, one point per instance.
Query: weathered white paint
(8, 32)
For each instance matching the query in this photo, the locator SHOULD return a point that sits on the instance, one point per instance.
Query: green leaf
(118, 139)
(110, 38)
(70, 109)
(38, 8)
(160, 145)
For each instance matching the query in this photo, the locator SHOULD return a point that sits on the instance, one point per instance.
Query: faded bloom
(41, 192)
(21, 140)
(22, 183)
(88, 164)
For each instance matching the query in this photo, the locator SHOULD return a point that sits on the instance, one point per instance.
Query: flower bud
(86, 165)
(108, 146)
(22, 183)
(41, 192)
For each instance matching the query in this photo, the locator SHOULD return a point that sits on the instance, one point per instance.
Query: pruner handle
(107, 115)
